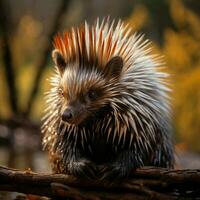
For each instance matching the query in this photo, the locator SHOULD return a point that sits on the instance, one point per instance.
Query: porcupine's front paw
(114, 172)
(82, 168)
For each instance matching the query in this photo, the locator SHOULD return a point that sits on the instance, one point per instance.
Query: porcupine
(108, 109)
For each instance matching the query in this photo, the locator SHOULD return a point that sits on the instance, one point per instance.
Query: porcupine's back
(133, 109)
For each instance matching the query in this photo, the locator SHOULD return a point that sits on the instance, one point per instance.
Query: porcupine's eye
(92, 94)
(60, 92)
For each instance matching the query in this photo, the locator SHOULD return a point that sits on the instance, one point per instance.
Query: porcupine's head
(85, 86)
(103, 68)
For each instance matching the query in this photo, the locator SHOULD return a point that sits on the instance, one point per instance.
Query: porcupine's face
(84, 89)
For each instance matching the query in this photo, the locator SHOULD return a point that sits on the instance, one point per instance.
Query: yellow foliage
(27, 41)
(181, 49)
(184, 17)
(178, 12)
(24, 81)
(138, 18)
(39, 104)
(4, 107)
(187, 107)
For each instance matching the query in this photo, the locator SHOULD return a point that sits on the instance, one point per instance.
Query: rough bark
(144, 183)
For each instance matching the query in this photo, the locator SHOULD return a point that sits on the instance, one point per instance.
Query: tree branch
(144, 183)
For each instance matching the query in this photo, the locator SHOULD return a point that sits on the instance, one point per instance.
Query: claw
(113, 173)
(83, 169)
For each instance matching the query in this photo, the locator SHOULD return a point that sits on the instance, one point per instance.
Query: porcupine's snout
(74, 114)
(68, 115)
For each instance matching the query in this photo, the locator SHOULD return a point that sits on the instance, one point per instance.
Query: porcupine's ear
(59, 60)
(114, 67)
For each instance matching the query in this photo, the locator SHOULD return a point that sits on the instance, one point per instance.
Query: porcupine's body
(108, 110)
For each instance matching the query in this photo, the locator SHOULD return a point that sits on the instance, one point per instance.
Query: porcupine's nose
(67, 115)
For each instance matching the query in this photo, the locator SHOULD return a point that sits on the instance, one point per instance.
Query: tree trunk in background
(7, 57)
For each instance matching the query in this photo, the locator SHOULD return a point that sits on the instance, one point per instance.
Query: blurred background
(26, 31)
